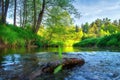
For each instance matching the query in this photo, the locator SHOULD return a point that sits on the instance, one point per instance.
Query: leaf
(57, 69)
(60, 52)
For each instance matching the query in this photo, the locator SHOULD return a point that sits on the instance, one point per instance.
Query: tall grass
(15, 36)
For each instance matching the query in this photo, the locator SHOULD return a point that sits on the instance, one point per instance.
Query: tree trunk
(15, 5)
(3, 17)
(6, 8)
(0, 10)
(26, 16)
(24, 13)
(20, 17)
(34, 23)
(40, 17)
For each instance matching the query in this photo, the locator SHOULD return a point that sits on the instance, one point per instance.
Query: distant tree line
(100, 27)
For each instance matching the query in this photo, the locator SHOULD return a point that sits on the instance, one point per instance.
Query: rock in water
(66, 63)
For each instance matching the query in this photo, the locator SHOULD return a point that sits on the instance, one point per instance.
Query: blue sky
(93, 9)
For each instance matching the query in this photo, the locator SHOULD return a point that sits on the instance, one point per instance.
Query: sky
(92, 9)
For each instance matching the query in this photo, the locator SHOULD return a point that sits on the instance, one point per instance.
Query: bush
(109, 41)
(112, 42)
(16, 36)
(87, 42)
(106, 41)
(103, 41)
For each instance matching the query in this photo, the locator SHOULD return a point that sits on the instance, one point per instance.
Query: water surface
(100, 64)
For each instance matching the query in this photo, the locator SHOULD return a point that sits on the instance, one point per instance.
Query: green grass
(18, 37)
(87, 42)
(106, 41)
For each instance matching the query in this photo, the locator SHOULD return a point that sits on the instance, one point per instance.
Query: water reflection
(15, 63)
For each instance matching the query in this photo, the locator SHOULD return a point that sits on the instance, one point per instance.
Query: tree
(34, 13)
(0, 10)
(119, 22)
(3, 16)
(64, 5)
(115, 22)
(24, 13)
(4, 6)
(93, 30)
(77, 28)
(85, 27)
(40, 16)
(15, 5)
(106, 21)
(57, 22)
(34, 9)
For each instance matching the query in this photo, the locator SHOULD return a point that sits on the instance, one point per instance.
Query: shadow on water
(53, 49)
(16, 63)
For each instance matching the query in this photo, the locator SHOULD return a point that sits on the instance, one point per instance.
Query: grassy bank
(12, 36)
(106, 41)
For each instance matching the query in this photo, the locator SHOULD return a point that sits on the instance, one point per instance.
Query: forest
(38, 23)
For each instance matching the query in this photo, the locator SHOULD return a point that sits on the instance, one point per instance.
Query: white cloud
(113, 7)
(101, 9)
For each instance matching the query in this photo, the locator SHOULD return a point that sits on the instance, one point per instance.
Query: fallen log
(66, 63)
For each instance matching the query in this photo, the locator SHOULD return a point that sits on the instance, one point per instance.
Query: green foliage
(58, 69)
(111, 28)
(60, 52)
(87, 42)
(8, 36)
(106, 41)
(100, 28)
(110, 41)
(60, 35)
(17, 37)
(85, 27)
(58, 30)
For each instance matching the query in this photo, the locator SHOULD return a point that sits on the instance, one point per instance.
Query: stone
(67, 63)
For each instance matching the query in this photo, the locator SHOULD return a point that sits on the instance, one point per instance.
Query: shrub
(112, 42)
(106, 41)
(87, 42)
(17, 36)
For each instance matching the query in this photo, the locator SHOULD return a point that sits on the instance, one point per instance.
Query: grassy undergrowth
(18, 37)
(106, 41)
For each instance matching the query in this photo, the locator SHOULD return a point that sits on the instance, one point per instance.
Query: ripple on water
(100, 65)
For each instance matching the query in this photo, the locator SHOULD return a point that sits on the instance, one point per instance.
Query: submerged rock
(67, 63)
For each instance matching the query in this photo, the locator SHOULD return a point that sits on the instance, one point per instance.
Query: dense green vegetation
(100, 33)
(50, 23)
(105, 34)
(41, 22)
(106, 41)
(11, 36)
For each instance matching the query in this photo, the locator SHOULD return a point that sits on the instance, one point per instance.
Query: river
(100, 64)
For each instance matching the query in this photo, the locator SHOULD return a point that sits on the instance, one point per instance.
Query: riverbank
(13, 36)
(111, 41)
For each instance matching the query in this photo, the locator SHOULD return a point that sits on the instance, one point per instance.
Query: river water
(100, 64)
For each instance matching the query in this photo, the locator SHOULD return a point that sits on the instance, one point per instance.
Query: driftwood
(66, 63)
